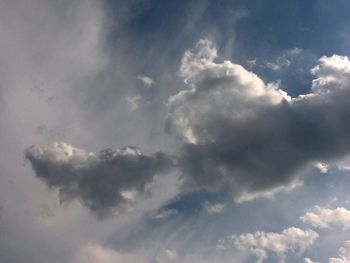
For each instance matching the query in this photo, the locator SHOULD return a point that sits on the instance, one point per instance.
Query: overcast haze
(174, 131)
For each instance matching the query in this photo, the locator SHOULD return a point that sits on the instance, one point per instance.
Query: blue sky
(174, 131)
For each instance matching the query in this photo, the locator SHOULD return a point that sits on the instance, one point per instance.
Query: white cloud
(193, 63)
(283, 61)
(332, 73)
(214, 208)
(308, 260)
(273, 66)
(246, 196)
(322, 167)
(167, 256)
(292, 239)
(147, 81)
(344, 254)
(94, 253)
(294, 51)
(343, 165)
(322, 217)
(164, 214)
(227, 86)
(134, 102)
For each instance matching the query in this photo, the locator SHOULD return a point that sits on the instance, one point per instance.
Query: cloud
(342, 165)
(213, 208)
(292, 239)
(95, 253)
(326, 218)
(134, 102)
(322, 167)
(106, 182)
(238, 129)
(164, 214)
(284, 60)
(332, 73)
(147, 81)
(167, 256)
(344, 254)
(308, 260)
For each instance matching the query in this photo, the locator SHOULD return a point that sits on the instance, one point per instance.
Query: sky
(174, 131)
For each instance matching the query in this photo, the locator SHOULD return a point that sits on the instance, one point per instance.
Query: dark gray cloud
(234, 128)
(71, 65)
(105, 182)
(237, 128)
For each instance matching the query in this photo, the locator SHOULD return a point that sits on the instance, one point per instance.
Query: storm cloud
(185, 131)
(237, 128)
(234, 128)
(106, 182)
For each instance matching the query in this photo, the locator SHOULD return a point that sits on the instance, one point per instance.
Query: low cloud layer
(237, 128)
(260, 243)
(105, 182)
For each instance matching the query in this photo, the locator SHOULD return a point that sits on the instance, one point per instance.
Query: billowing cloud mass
(185, 129)
(344, 254)
(237, 128)
(260, 243)
(322, 217)
(234, 127)
(105, 182)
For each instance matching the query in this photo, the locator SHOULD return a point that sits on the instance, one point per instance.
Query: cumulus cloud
(344, 254)
(332, 73)
(322, 217)
(235, 128)
(106, 182)
(251, 134)
(292, 239)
